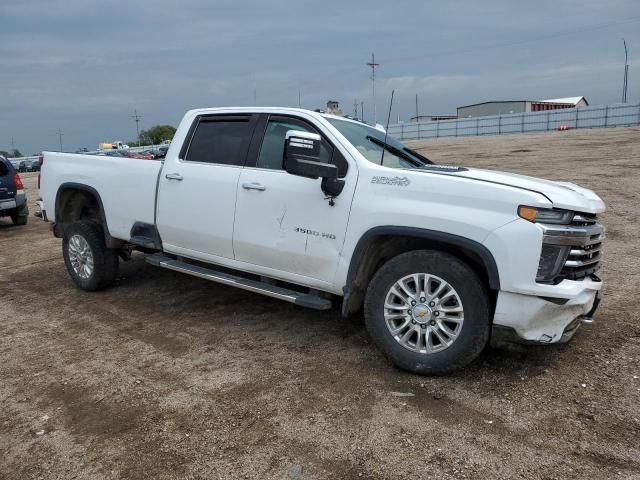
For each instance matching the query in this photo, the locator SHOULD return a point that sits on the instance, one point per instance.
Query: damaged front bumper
(531, 319)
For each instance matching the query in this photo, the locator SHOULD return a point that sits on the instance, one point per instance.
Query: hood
(561, 194)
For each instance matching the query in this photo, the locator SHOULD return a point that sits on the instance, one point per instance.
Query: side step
(303, 299)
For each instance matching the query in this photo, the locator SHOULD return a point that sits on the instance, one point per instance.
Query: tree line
(155, 135)
(15, 153)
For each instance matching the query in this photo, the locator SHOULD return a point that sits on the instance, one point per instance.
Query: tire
(21, 215)
(88, 237)
(465, 333)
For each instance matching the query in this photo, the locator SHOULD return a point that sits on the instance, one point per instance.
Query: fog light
(552, 259)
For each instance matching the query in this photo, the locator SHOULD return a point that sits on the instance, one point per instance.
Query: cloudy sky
(83, 66)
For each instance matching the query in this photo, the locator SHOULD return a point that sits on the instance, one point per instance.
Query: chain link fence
(617, 115)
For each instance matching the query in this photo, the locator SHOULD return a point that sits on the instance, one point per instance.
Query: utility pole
(373, 66)
(13, 145)
(626, 73)
(137, 118)
(299, 99)
(417, 114)
(362, 111)
(60, 135)
(355, 109)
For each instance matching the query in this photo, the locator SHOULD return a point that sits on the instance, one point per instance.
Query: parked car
(140, 155)
(13, 202)
(310, 208)
(114, 153)
(34, 165)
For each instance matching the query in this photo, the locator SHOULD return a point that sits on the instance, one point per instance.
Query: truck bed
(126, 186)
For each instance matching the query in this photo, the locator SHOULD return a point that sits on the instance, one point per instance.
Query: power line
(373, 66)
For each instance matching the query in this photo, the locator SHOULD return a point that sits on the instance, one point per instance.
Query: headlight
(545, 215)
(552, 259)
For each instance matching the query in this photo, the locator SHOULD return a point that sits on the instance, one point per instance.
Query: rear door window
(220, 140)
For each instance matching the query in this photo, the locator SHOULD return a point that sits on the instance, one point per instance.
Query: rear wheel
(428, 312)
(21, 215)
(91, 265)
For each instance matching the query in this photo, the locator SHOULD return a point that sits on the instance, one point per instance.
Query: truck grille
(582, 261)
(584, 219)
(581, 241)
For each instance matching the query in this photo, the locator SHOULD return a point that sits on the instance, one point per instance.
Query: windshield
(370, 141)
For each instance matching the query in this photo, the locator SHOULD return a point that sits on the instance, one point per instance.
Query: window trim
(252, 161)
(251, 118)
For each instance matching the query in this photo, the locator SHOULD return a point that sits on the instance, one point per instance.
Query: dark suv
(13, 202)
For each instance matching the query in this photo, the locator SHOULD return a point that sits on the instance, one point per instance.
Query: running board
(303, 299)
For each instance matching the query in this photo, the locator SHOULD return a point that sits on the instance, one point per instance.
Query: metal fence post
(639, 114)
(402, 131)
(437, 129)
(456, 126)
(522, 123)
(548, 118)
(606, 116)
(577, 117)
(477, 126)
(500, 124)
(418, 123)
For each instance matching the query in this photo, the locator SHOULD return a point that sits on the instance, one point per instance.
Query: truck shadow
(180, 296)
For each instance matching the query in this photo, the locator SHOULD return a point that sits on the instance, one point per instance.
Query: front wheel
(428, 312)
(91, 265)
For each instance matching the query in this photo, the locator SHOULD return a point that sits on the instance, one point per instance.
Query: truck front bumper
(533, 319)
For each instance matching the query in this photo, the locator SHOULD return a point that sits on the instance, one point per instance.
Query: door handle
(173, 176)
(254, 186)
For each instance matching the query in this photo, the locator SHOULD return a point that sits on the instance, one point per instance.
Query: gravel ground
(169, 376)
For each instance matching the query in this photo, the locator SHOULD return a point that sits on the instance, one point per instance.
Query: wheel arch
(75, 201)
(382, 243)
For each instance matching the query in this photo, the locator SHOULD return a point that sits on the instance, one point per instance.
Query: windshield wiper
(416, 154)
(397, 152)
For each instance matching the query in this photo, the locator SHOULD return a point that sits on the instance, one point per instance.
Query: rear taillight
(18, 182)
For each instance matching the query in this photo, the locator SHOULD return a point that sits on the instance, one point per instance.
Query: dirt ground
(169, 376)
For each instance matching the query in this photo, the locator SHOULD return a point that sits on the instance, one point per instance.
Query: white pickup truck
(309, 208)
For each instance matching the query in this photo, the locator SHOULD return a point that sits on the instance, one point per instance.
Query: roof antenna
(386, 131)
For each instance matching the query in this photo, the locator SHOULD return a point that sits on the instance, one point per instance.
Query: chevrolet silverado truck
(316, 209)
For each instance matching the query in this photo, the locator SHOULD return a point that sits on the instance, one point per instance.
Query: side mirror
(302, 156)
